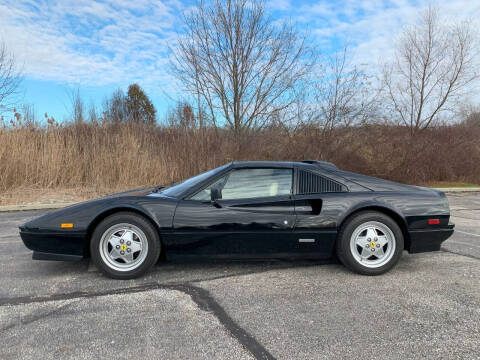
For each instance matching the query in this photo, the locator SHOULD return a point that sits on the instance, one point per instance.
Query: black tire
(343, 247)
(151, 235)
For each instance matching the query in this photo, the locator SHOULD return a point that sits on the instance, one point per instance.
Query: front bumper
(429, 239)
(48, 245)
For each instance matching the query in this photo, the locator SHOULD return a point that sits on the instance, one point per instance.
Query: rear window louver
(310, 183)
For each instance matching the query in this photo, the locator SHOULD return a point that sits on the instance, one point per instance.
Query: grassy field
(29, 196)
(451, 184)
(77, 162)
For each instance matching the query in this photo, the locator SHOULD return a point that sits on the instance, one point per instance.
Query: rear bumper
(428, 239)
(55, 245)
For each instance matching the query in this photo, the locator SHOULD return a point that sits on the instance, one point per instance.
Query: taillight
(433, 221)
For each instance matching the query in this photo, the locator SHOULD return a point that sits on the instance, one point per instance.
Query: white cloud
(281, 5)
(372, 26)
(90, 43)
(94, 42)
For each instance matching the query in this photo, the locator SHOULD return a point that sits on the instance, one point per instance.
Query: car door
(318, 199)
(253, 218)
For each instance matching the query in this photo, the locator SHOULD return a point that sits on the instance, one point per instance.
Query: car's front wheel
(370, 243)
(125, 245)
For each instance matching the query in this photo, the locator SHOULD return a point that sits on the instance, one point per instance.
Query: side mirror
(215, 194)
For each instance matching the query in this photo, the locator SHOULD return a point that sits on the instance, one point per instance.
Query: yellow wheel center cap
(372, 244)
(123, 247)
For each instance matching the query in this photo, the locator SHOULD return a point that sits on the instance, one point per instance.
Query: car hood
(100, 200)
(133, 192)
(83, 213)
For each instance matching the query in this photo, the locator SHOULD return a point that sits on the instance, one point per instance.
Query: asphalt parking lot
(427, 307)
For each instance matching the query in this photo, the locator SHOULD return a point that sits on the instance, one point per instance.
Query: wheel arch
(397, 217)
(114, 210)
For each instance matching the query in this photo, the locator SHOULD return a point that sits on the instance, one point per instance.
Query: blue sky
(99, 46)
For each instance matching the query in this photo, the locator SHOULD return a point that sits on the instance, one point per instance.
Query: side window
(204, 195)
(253, 183)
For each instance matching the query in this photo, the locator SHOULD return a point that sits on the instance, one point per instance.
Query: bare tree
(183, 116)
(433, 67)
(77, 105)
(29, 117)
(114, 109)
(10, 78)
(470, 115)
(92, 113)
(340, 94)
(238, 63)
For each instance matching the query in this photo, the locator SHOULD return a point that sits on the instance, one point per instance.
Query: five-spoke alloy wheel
(125, 245)
(370, 243)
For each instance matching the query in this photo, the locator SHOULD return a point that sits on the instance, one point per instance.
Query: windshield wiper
(163, 186)
(156, 189)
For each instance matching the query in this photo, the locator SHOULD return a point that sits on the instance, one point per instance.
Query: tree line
(243, 71)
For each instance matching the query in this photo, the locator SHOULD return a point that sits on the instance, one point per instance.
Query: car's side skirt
(244, 245)
(274, 256)
(37, 255)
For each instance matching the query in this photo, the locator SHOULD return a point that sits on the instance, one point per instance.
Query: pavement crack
(21, 300)
(206, 302)
(458, 253)
(78, 294)
(36, 317)
(199, 296)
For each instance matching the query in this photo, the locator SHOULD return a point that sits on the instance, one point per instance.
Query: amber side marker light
(433, 221)
(66, 225)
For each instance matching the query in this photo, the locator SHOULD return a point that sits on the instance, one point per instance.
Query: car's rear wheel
(370, 243)
(125, 245)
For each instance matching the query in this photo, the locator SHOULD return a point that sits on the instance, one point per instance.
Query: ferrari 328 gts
(281, 210)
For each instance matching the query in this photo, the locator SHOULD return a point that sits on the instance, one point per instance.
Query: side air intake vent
(310, 183)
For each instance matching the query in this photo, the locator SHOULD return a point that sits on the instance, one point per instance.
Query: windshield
(180, 188)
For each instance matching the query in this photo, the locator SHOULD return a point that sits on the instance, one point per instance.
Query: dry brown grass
(452, 184)
(32, 196)
(116, 157)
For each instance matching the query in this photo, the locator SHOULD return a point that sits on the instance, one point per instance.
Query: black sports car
(294, 210)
